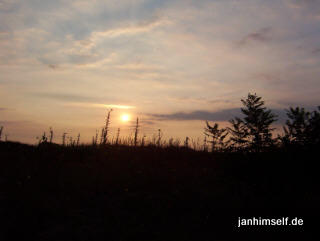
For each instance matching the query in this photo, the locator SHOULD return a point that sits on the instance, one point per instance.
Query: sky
(173, 64)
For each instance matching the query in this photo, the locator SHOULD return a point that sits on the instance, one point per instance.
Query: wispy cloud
(115, 106)
(65, 97)
(128, 30)
(304, 3)
(98, 105)
(262, 35)
(80, 100)
(305, 8)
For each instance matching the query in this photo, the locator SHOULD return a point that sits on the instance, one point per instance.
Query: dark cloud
(143, 122)
(305, 3)
(316, 51)
(222, 115)
(147, 122)
(292, 103)
(262, 35)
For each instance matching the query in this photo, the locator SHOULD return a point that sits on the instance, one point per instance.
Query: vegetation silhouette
(131, 189)
(254, 130)
(217, 136)
(302, 129)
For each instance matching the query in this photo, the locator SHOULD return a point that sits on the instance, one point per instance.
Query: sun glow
(125, 118)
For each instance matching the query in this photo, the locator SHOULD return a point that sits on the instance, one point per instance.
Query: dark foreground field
(50, 192)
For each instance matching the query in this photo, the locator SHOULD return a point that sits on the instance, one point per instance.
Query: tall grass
(1, 129)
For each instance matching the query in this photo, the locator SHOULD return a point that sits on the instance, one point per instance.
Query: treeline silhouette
(151, 190)
(253, 132)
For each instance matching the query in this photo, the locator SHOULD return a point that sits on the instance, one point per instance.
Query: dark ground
(52, 193)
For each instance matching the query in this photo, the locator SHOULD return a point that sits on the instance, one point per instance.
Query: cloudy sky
(172, 63)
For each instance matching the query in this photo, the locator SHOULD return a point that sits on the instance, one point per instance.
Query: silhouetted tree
(254, 130)
(216, 135)
(314, 129)
(302, 127)
(239, 133)
(295, 131)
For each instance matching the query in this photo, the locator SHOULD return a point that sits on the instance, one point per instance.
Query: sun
(125, 118)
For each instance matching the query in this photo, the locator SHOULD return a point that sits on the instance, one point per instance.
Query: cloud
(222, 115)
(53, 66)
(3, 109)
(113, 106)
(138, 67)
(292, 103)
(72, 32)
(262, 35)
(304, 3)
(97, 105)
(83, 100)
(306, 8)
(64, 97)
(128, 30)
(73, 100)
(146, 122)
(316, 51)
